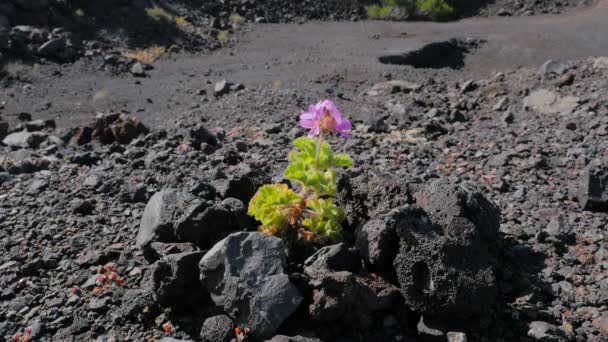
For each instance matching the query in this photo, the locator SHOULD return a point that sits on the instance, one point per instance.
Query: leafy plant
(159, 15)
(376, 11)
(391, 9)
(437, 9)
(309, 213)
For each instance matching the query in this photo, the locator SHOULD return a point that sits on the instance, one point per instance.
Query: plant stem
(319, 143)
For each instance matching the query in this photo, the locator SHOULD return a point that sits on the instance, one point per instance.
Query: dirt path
(299, 54)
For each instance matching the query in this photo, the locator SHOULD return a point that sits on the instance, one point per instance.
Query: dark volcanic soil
(518, 115)
(312, 56)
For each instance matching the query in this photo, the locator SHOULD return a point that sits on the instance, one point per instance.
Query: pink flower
(324, 118)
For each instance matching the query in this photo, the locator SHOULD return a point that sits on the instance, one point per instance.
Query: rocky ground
(504, 168)
(66, 30)
(476, 210)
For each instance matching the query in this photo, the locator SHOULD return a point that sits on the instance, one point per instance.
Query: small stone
(137, 69)
(99, 304)
(545, 332)
(457, 337)
(217, 329)
(221, 88)
(553, 67)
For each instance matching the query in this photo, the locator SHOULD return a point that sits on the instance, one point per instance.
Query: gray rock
(245, 275)
(174, 279)
(221, 88)
(137, 69)
(82, 207)
(501, 104)
(600, 63)
(174, 216)
(242, 183)
(171, 339)
(559, 227)
(99, 304)
(377, 240)
(352, 300)
(392, 87)
(217, 329)
(335, 258)
(52, 48)
(133, 303)
(457, 226)
(467, 86)
(591, 188)
(25, 139)
(549, 102)
(545, 332)
(298, 338)
(553, 67)
(454, 336)
(429, 331)
(199, 134)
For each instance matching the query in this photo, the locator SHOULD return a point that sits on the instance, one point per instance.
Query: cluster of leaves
(108, 275)
(311, 210)
(26, 337)
(391, 9)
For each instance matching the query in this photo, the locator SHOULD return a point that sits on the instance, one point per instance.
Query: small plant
(392, 9)
(108, 275)
(159, 15)
(236, 19)
(183, 23)
(437, 9)
(149, 55)
(377, 11)
(223, 36)
(241, 334)
(26, 337)
(309, 213)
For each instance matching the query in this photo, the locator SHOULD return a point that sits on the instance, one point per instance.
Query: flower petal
(344, 125)
(314, 132)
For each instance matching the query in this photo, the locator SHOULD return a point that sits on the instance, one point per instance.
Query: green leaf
(319, 175)
(325, 220)
(272, 205)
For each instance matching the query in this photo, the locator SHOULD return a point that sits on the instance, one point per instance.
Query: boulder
(335, 258)
(217, 329)
(366, 195)
(591, 188)
(245, 275)
(25, 139)
(174, 279)
(174, 216)
(242, 183)
(553, 67)
(444, 258)
(377, 240)
(350, 299)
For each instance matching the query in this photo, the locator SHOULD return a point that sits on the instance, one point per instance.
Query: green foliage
(273, 204)
(312, 211)
(376, 11)
(437, 9)
(326, 219)
(318, 175)
(159, 15)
